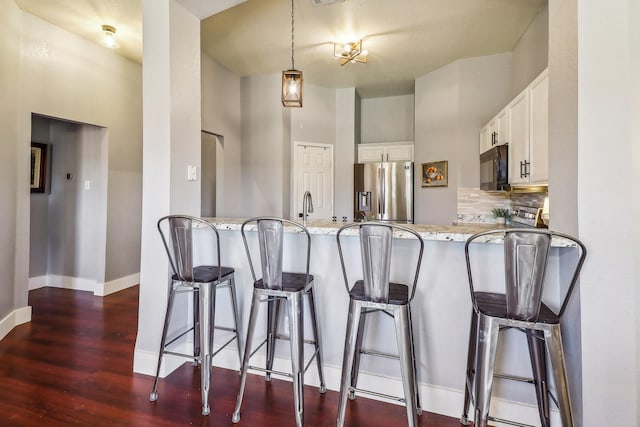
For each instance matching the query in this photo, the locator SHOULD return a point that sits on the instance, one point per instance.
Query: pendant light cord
(293, 67)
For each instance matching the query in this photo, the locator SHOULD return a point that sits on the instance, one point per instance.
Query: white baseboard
(117, 285)
(13, 319)
(38, 282)
(436, 399)
(82, 284)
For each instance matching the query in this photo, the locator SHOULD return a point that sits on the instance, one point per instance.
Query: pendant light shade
(292, 79)
(292, 88)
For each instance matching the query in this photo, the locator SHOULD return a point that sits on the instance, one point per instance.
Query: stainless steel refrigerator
(384, 191)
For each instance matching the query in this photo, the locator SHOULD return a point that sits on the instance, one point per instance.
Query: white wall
(452, 103)
(387, 119)
(221, 115)
(608, 116)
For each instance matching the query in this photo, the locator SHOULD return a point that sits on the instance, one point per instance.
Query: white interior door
(313, 168)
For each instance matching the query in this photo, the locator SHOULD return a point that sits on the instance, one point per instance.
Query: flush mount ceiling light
(350, 52)
(292, 78)
(109, 38)
(325, 2)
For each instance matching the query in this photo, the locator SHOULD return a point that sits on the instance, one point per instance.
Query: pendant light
(292, 78)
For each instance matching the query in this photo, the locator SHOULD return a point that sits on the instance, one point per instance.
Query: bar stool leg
(196, 328)
(538, 356)
(553, 339)
(236, 321)
(486, 341)
(414, 362)
(316, 339)
(295, 308)
(471, 359)
(351, 338)
(167, 317)
(273, 315)
(207, 304)
(253, 315)
(357, 354)
(401, 317)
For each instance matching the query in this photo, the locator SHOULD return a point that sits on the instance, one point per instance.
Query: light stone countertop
(445, 233)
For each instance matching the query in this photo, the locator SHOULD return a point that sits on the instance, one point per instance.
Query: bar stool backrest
(270, 234)
(526, 252)
(526, 256)
(376, 243)
(177, 235)
(270, 239)
(376, 248)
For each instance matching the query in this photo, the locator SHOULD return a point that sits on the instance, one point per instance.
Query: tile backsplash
(475, 205)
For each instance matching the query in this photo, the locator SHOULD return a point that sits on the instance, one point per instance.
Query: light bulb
(293, 87)
(109, 40)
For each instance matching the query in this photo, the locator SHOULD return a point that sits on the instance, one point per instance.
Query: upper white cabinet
(385, 152)
(495, 132)
(529, 134)
(524, 125)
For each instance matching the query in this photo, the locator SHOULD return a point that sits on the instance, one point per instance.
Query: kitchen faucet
(307, 206)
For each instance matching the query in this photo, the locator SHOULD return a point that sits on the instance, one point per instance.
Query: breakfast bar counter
(441, 313)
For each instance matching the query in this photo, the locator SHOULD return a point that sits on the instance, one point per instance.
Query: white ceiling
(405, 38)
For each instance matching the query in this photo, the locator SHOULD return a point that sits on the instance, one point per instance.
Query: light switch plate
(191, 173)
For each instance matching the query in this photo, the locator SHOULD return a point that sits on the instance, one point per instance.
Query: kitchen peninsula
(441, 312)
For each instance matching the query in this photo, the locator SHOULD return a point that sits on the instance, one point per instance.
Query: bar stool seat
(495, 305)
(375, 293)
(182, 244)
(520, 307)
(291, 282)
(276, 287)
(398, 293)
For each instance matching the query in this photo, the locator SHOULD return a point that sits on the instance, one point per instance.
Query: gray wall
(268, 132)
(65, 236)
(530, 54)
(387, 119)
(263, 160)
(452, 103)
(563, 161)
(11, 294)
(57, 82)
(221, 115)
(346, 134)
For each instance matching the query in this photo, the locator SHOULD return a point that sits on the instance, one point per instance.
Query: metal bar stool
(520, 306)
(182, 245)
(276, 287)
(376, 294)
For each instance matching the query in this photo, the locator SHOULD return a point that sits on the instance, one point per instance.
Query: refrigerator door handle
(383, 191)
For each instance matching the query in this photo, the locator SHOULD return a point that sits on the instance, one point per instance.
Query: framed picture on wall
(38, 167)
(435, 174)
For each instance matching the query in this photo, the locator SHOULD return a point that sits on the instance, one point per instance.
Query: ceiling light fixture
(109, 39)
(350, 52)
(292, 78)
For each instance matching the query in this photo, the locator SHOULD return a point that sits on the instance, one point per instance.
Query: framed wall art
(435, 174)
(39, 154)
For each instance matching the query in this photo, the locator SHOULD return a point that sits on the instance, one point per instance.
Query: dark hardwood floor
(72, 365)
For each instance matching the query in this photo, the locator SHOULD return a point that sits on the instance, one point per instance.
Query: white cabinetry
(529, 134)
(495, 132)
(385, 152)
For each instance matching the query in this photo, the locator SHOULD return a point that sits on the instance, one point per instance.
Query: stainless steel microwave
(494, 169)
